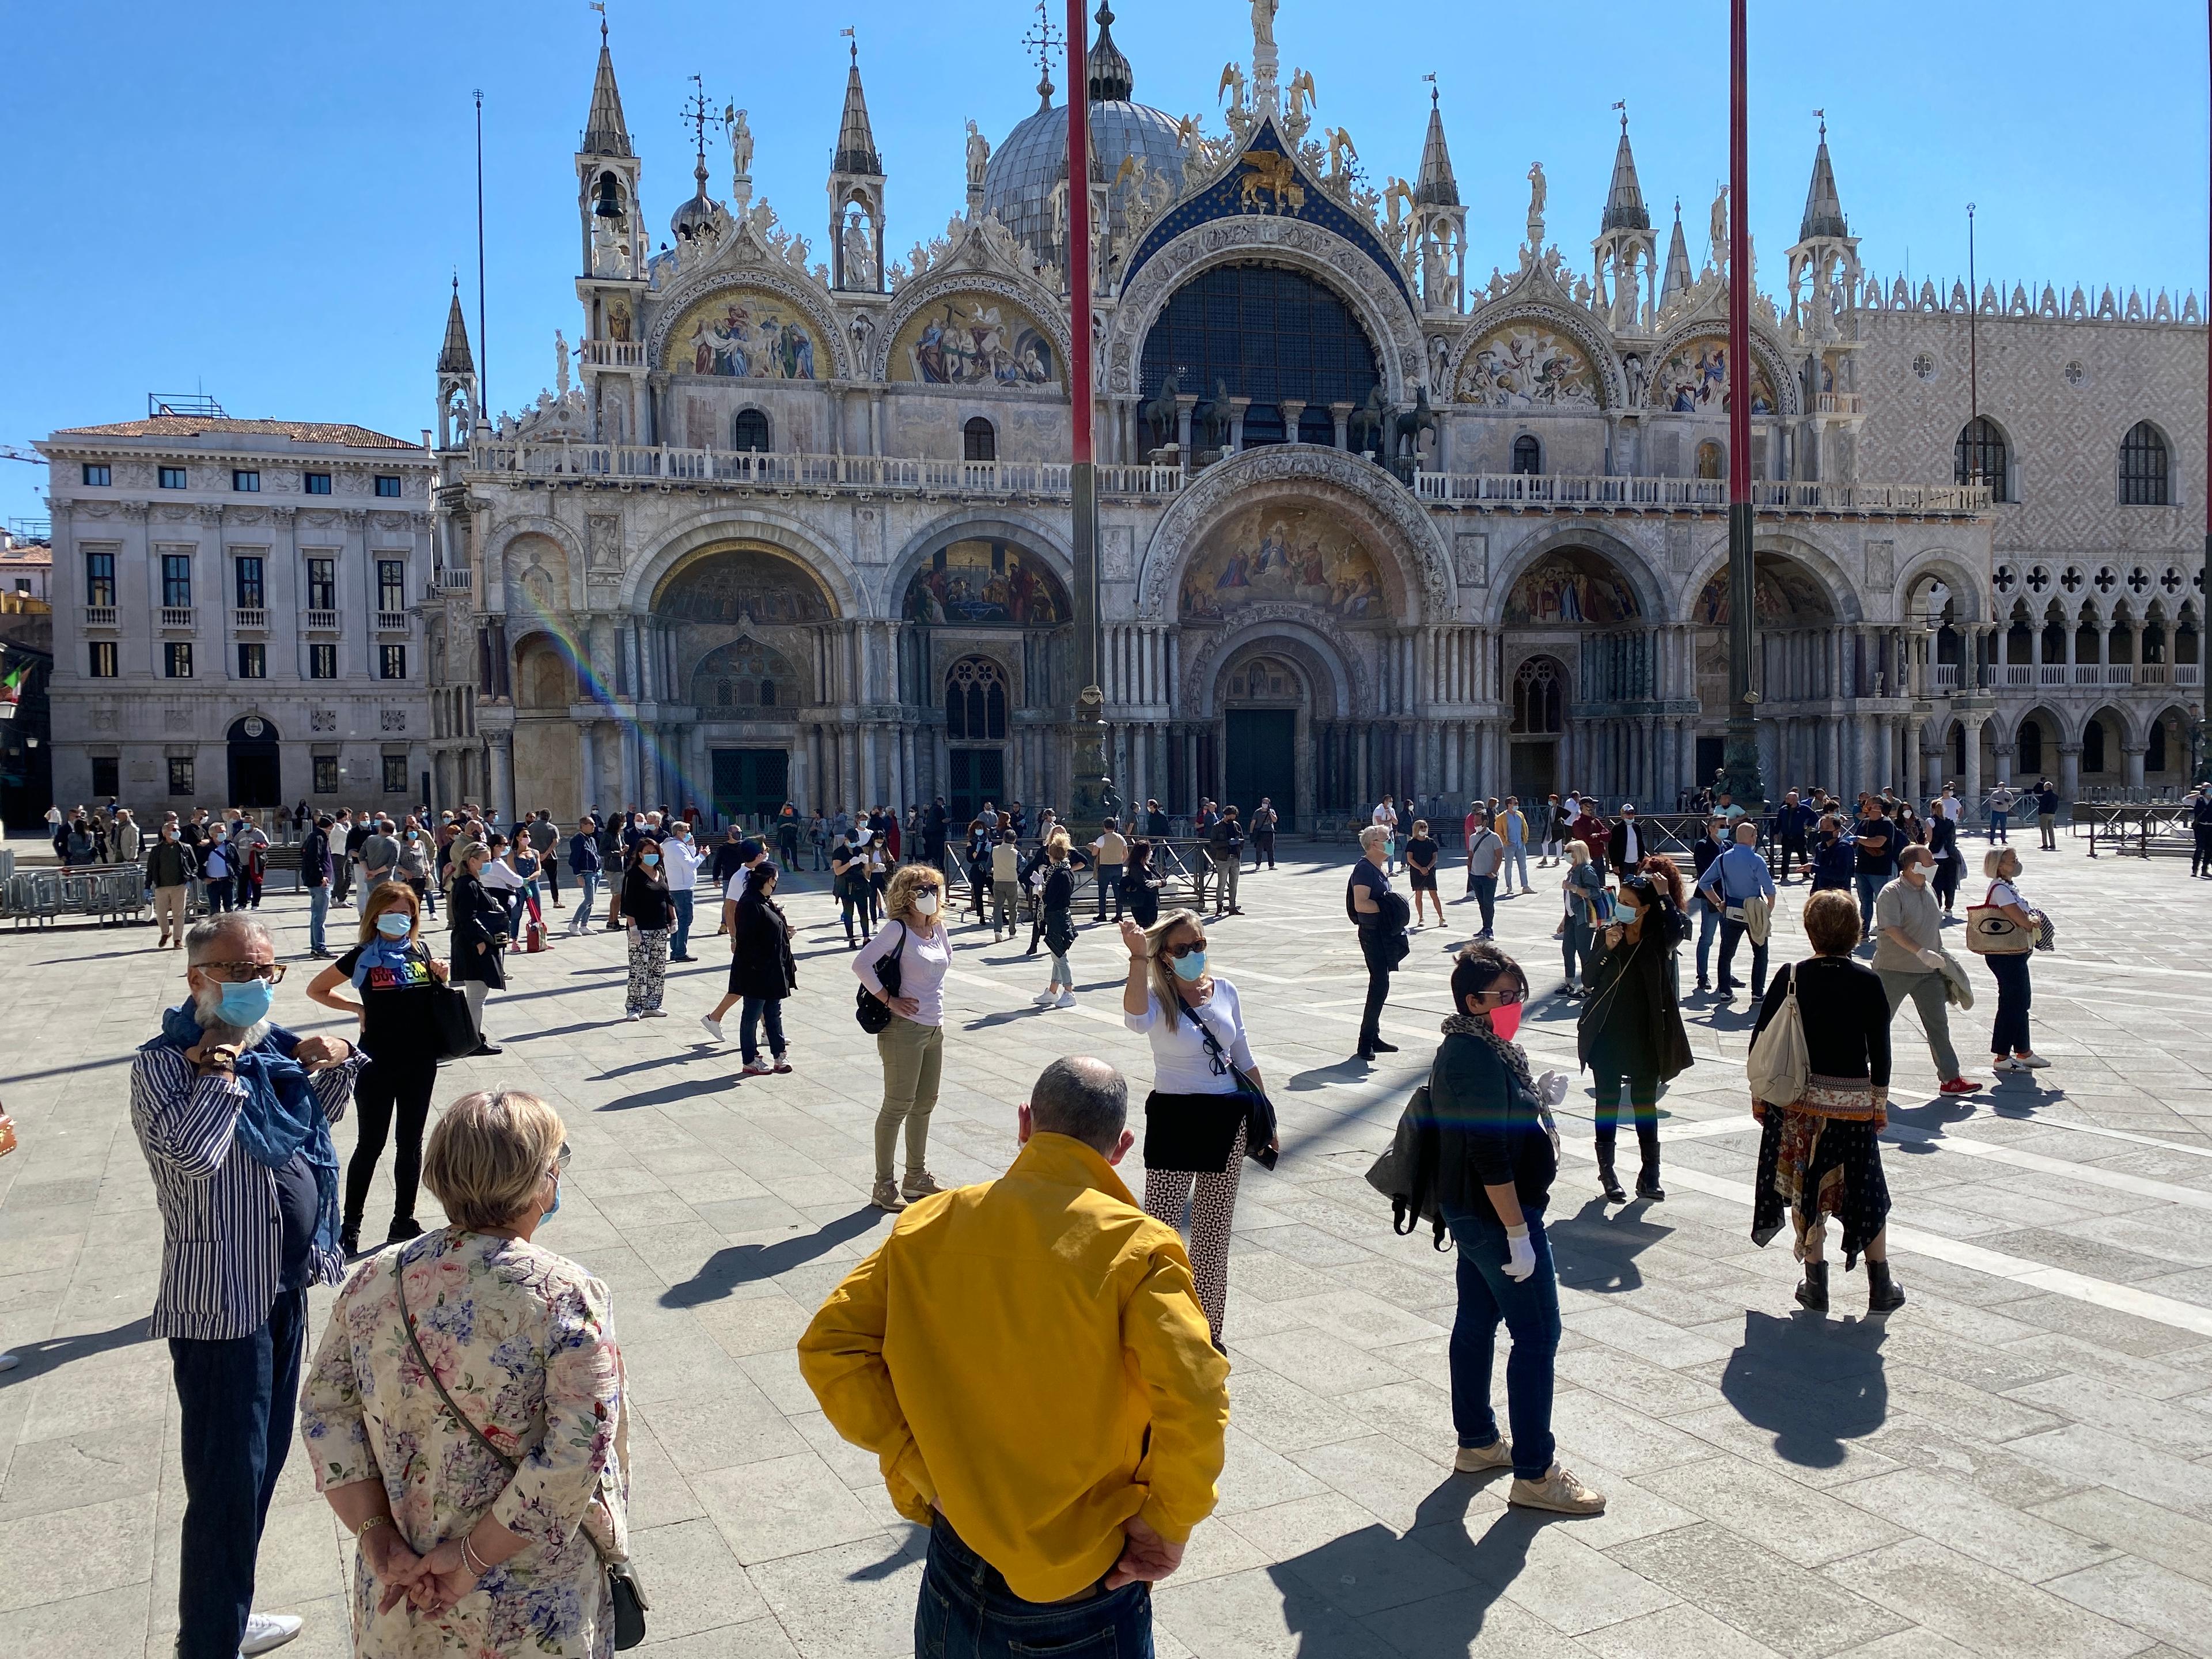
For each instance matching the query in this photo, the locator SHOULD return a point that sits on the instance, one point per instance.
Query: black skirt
(1811, 1167)
(1191, 1132)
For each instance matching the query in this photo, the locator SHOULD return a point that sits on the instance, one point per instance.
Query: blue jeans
(966, 1612)
(2009, 1034)
(319, 907)
(759, 1011)
(1530, 1308)
(1109, 881)
(587, 882)
(681, 899)
(1869, 889)
(235, 1400)
(1517, 854)
(1709, 924)
(1997, 821)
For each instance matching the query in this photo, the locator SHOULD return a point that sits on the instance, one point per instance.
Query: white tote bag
(1779, 1067)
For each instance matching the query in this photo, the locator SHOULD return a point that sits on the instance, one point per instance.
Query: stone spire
(1436, 187)
(454, 356)
(1678, 278)
(1624, 202)
(1112, 80)
(1824, 211)
(856, 141)
(605, 133)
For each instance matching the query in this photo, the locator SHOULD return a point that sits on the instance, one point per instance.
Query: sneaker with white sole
(632, 1014)
(885, 1196)
(755, 1068)
(2030, 1062)
(2008, 1064)
(1066, 999)
(264, 1631)
(1559, 1492)
(918, 1183)
(1045, 998)
(1473, 1460)
(712, 1026)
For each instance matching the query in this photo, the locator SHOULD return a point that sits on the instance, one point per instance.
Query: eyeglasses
(561, 1161)
(1507, 998)
(238, 973)
(1179, 952)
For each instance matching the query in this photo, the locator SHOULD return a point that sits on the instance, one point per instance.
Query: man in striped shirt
(234, 1116)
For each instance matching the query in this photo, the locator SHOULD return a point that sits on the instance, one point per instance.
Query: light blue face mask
(248, 1004)
(1191, 967)
(648, 860)
(395, 924)
(555, 1210)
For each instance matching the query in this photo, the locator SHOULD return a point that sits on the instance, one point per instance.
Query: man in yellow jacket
(1028, 1360)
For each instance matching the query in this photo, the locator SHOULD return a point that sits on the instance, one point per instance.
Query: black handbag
(454, 1026)
(1260, 1126)
(624, 1589)
(873, 1011)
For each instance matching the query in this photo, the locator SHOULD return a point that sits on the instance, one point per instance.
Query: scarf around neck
(1509, 1054)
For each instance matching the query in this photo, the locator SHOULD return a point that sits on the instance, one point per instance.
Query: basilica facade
(797, 522)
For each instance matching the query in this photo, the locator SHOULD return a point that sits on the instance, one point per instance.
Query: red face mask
(1506, 1021)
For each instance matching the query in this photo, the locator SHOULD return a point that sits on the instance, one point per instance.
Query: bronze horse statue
(1159, 415)
(1364, 429)
(1408, 425)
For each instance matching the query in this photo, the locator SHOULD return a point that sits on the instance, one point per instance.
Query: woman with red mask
(1630, 1031)
(1496, 1155)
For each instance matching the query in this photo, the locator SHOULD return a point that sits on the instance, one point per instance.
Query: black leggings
(384, 1084)
(1642, 1090)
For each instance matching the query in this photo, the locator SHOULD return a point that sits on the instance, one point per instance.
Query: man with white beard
(233, 1115)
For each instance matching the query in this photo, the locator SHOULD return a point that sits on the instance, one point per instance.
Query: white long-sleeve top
(1180, 1063)
(681, 860)
(921, 966)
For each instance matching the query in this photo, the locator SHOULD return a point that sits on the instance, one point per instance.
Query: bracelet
(476, 1566)
(371, 1524)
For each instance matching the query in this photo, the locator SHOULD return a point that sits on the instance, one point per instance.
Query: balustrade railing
(758, 468)
(99, 615)
(1570, 490)
(176, 616)
(249, 619)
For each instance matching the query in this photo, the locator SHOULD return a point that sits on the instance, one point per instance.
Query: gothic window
(752, 430)
(2154, 750)
(1980, 457)
(743, 677)
(2028, 744)
(2143, 467)
(1528, 455)
(976, 702)
(1711, 463)
(1539, 697)
(1263, 676)
(979, 441)
(2093, 745)
(1264, 332)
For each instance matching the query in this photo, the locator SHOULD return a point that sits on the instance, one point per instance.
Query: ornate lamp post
(1741, 754)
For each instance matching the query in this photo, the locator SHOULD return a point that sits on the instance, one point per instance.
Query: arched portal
(977, 702)
(1264, 698)
(1538, 725)
(256, 766)
(548, 753)
(1581, 673)
(1799, 670)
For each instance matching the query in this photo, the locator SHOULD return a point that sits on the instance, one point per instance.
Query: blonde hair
(1157, 937)
(390, 895)
(463, 852)
(488, 1153)
(1993, 861)
(1578, 851)
(1372, 837)
(906, 883)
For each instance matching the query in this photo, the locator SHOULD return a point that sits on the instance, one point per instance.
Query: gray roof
(856, 140)
(1112, 81)
(1678, 278)
(1436, 187)
(1824, 212)
(1018, 182)
(1624, 202)
(454, 357)
(605, 133)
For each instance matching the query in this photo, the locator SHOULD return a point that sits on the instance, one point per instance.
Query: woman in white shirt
(679, 859)
(1194, 1119)
(2008, 1040)
(912, 1046)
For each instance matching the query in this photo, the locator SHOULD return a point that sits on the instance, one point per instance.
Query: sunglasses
(1179, 952)
(561, 1161)
(238, 973)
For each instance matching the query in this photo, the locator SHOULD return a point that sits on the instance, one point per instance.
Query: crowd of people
(465, 1407)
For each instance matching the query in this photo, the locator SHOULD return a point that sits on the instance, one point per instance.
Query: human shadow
(1597, 1246)
(678, 1057)
(746, 1264)
(52, 1354)
(1324, 1077)
(1374, 1593)
(669, 1093)
(1813, 1382)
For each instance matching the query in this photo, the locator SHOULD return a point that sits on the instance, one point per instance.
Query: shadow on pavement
(1814, 1383)
(748, 1264)
(1597, 1246)
(37, 1358)
(669, 1093)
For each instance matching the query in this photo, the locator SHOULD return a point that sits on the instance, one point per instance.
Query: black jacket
(1617, 839)
(1629, 1022)
(1702, 855)
(478, 919)
(315, 858)
(1225, 838)
(645, 899)
(1481, 1129)
(763, 966)
(170, 863)
(1846, 1013)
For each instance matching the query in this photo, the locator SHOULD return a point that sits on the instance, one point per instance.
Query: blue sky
(269, 200)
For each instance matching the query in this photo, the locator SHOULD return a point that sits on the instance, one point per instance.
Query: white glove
(1933, 958)
(1551, 1088)
(1519, 1253)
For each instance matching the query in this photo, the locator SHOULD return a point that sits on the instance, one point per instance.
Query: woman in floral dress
(463, 1551)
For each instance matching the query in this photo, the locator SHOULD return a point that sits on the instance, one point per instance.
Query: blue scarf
(381, 952)
(281, 1118)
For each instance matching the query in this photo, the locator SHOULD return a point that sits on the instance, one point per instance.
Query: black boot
(1646, 1178)
(1608, 1182)
(350, 1240)
(1882, 1292)
(1812, 1294)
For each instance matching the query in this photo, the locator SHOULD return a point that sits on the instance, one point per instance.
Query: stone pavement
(2017, 1462)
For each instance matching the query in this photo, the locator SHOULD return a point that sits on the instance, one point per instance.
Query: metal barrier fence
(2136, 828)
(106, 892)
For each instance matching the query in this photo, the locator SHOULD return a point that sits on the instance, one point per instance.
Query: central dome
(1024, 171)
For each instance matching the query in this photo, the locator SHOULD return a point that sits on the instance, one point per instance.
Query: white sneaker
(2008, 1064)
(1473, 1460)
(712, 1026)
(1558, 1492)
(1045, 998)
(264, 1631)
(632, 1014)
(1066, 999)
(2030, 1062)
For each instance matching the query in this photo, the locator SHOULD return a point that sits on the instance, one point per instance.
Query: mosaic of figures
(746, 334)
(1694, 381)
(1278, 553)
(1568, 589)
(742, 585)
(972, 339)
(1782, 594)
(987, 583)
(1520, 366)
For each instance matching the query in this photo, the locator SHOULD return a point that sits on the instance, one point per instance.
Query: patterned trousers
(648, 968)
(1212, 1205)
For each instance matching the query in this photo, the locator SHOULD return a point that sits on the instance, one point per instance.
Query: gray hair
(1085, 1099)
(200, 941)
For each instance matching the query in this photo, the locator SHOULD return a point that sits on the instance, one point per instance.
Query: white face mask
(925, 904)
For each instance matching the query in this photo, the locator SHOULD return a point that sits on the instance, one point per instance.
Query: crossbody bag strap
(415, 1340)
